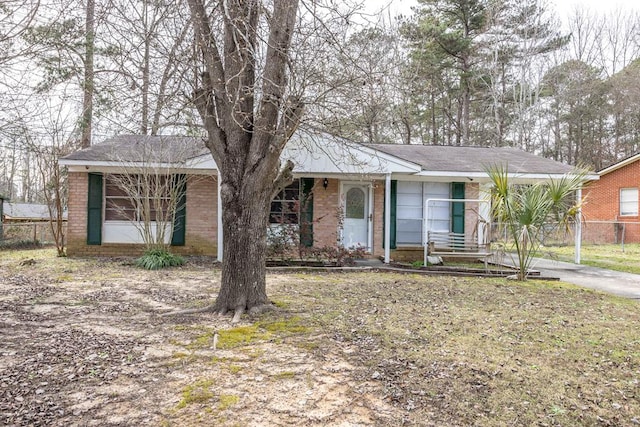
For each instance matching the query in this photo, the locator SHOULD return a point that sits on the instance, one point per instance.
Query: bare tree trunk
(434, 123)
(245, 242)
(88, 85)
(465, 99)
(144, 126)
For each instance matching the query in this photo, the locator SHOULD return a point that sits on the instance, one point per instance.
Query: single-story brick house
(611, 212)
(375, 196)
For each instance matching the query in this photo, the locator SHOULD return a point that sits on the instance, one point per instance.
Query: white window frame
(629, 201)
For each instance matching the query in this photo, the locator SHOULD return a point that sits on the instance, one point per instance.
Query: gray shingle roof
(143, 148)
(441, 158)
(27, 211)
(433, 158)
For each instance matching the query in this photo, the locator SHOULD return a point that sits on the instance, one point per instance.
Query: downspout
(220, 231)
(387, 218)
(578, 234)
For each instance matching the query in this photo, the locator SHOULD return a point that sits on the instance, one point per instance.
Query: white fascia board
(334, 157)
(341, 176)
(121, 165)
(118, 167)
(619, 165)
(483, 177)
(205, 161)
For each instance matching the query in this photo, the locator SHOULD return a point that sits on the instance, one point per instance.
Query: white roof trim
(618, 165)
(514, 175)
(121, 165)
(114, 167)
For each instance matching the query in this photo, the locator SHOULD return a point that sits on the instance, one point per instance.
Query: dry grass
(613, 257)
(460, 351)
(436, 350)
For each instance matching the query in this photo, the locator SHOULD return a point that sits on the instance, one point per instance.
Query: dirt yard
(84, 343)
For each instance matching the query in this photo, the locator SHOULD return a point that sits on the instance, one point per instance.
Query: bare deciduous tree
(249, 116)
(148, 188)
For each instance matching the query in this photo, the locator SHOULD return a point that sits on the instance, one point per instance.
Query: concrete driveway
(614, 282)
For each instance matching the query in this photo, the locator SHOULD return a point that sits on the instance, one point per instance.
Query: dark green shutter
(306, 211)
(457, 208)
(94, 210)
(392, 229)
(180, 219)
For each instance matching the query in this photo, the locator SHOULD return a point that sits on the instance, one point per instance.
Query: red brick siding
(325, 213)
(77, 213)
(471, 209)
(326, 207)
(202, 224)
(602, 203)
(200, 234)
(201, 231)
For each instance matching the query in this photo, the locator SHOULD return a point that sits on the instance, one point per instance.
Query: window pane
(113, 190)
(355, 203)
(119, 214)
(629, 201)
(285, 208)
(119, 206)
(409, 231)
(291, 193)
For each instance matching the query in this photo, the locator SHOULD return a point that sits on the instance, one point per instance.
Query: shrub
(337, 255)
(156, 259)
(283, 241)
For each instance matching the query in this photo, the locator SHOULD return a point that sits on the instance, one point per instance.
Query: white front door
(356, 215)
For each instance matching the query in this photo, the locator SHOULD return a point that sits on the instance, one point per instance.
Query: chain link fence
(26, 233)
(593, 233)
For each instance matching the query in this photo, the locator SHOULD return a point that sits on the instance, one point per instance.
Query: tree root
(260, 309)
(207, 309)
(237, 313)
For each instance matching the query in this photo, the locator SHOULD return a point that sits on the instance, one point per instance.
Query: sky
(563, 7)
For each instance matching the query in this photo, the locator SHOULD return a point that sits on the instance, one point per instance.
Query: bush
(337, 255)
(283, 241)
(156, 259)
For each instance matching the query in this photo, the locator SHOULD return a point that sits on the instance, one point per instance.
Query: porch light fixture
(325, 183)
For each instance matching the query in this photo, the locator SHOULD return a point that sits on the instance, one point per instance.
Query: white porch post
(484, 211)
(578, 233)
(387, 218)
(220, 237)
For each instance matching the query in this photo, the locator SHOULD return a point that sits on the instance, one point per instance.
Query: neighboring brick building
(611, 204)
(345, 187)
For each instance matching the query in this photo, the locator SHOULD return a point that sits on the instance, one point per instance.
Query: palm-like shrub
(526, 213)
